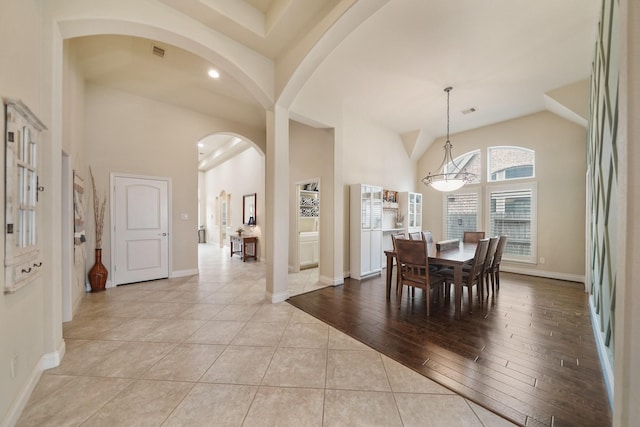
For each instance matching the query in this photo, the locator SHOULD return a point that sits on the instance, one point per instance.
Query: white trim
(607, 368)
(542, 273)
(276, 298)
(331, 281)
(47, 361)
(183, 273)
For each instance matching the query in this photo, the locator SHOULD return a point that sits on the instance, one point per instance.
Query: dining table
(454, 258)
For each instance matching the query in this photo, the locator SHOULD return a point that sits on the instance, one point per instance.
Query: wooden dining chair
(494, 269)
(472, 276)
(394, 238)
(486, 268)
(413, 269)
(472, 236)
(415, 236)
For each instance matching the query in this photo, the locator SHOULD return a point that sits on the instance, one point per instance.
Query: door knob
(162, 234)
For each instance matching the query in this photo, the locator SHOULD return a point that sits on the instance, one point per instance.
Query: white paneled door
(141, 233)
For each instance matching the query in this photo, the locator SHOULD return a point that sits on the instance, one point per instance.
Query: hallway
(207, 350)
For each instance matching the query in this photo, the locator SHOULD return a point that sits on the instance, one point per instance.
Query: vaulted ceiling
(505, 59)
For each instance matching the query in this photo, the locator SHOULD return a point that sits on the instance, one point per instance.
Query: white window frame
(467, 189)
(497, 147)
(533, 187)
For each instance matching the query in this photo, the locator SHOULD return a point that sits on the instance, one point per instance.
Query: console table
(246, 246)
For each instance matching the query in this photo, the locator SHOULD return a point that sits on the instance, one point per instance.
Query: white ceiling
(501, 57)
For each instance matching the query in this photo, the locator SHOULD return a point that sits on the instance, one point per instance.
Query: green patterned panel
(603, 162)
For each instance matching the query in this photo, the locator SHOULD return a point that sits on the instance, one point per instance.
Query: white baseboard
(542, 273)
(183, 273)
(607, 367)
(276, 298)
(331, 281)
(47, 361)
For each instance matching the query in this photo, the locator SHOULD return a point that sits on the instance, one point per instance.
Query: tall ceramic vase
(98, 274)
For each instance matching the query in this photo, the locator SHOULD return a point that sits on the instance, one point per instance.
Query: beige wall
(73, 144)
(134, 135)
(240, 175)
(560, 148)
(311, 156)
(627, 330)
(372, 155)
(21, 314)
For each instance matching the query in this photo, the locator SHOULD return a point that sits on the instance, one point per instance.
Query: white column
(277, 204)
(626, 410)
(339, 211)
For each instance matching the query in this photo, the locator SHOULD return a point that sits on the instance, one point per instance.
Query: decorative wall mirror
(249, 209)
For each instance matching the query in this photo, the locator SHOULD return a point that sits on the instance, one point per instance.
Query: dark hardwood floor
(527, 354)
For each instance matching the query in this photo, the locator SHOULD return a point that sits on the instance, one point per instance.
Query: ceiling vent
(157, 51)
(469, 110)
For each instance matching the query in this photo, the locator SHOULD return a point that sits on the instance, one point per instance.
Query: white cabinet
(308, 249)
(308, 210)
(366, 230)
(411, 208)
(308, 227)
(22, 247)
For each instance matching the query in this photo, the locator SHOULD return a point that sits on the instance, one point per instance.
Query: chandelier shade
(450, 176)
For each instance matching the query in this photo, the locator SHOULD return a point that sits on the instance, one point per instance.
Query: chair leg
(428, 296)
(493, 282)
(486, 281)
(498, 279)
(470, 288)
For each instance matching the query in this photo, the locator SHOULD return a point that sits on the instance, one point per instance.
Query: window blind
(462, 214)
(511, 215)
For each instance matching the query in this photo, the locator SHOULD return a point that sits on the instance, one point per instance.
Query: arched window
(510, 162)
(469, 162)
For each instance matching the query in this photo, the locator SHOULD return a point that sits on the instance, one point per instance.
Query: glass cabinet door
(418, 210)
(366, 207)
(376, 207)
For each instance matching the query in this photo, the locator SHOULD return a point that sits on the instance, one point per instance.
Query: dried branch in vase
(99, 204)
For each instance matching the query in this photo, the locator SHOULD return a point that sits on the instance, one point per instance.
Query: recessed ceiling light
(213, 73)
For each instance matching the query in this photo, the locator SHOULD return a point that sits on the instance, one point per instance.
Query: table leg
(457, 281)
(389, 274)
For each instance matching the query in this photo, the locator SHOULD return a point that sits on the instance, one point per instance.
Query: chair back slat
(497, 258)
(415, 236)
(394, 237)
(412, 253)
(491, 252)
(472, 236)
(478, 259)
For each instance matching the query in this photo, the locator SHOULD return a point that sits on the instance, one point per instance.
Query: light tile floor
(208, 350)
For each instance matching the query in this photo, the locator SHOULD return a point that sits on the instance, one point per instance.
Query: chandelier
(450, 176)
